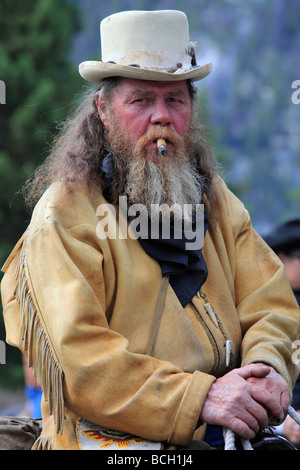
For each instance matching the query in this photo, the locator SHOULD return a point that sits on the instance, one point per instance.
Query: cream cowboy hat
(147, 45)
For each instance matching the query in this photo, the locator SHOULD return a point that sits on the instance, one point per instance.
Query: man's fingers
(249, 421)
(285, 399)
(259, 413)
(268, 400)
(272, 392)
(241, 428)
(254, 370)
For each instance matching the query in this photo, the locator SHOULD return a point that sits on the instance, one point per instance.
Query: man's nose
(161, 114)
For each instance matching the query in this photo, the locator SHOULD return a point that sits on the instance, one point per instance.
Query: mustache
(160, 132)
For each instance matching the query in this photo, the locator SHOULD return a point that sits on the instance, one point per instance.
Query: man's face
(138, 114)
(292, 266)
(140, 105)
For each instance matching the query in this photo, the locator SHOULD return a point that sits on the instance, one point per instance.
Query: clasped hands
(247, 399)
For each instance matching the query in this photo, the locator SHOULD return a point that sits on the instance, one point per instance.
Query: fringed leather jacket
(83, 309)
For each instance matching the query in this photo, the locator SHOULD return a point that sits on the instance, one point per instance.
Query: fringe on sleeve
(36, 344)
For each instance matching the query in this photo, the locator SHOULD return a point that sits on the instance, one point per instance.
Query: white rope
(247, 444)
(229, 439)
(229, 435)
(293, 414)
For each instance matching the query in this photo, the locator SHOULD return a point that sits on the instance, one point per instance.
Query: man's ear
(101, 106)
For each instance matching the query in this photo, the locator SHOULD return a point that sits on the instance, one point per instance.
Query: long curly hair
(80, 146)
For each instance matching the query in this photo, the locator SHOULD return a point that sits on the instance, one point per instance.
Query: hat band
(151, 60)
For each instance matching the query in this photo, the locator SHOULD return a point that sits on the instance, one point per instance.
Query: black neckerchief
(187, 268)
(297, 295)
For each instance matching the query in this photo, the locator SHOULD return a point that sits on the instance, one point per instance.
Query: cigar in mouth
(162, 146)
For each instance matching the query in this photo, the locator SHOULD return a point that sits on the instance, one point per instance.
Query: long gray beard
(174, 183)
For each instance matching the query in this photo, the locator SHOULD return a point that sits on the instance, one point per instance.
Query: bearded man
(139, 341)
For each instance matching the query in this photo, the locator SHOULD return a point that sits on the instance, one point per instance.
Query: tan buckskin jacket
(81, 308)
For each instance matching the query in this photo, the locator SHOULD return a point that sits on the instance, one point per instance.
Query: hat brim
(96, 71)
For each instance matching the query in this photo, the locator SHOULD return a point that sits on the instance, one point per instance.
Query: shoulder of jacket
(226, 199)
(232, 214)
(67, 207)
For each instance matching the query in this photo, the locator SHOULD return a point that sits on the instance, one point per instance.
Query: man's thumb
(258, 370)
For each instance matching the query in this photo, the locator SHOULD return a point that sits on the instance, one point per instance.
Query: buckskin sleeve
(82, 363)
(268, 312)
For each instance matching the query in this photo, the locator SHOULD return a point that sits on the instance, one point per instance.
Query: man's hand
(241, 399)
(276, 394)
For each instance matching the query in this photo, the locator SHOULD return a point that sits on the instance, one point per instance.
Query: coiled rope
(229, 435)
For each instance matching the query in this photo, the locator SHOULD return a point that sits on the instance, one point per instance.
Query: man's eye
(139, 100)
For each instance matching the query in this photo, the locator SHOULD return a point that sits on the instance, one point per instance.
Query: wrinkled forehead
(148, 87)
(118, 84)
(130, 83)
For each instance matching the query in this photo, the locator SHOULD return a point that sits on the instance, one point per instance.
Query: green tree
(41, 82)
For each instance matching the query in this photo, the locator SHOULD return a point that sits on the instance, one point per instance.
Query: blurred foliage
(254, 47)
(36, 38)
